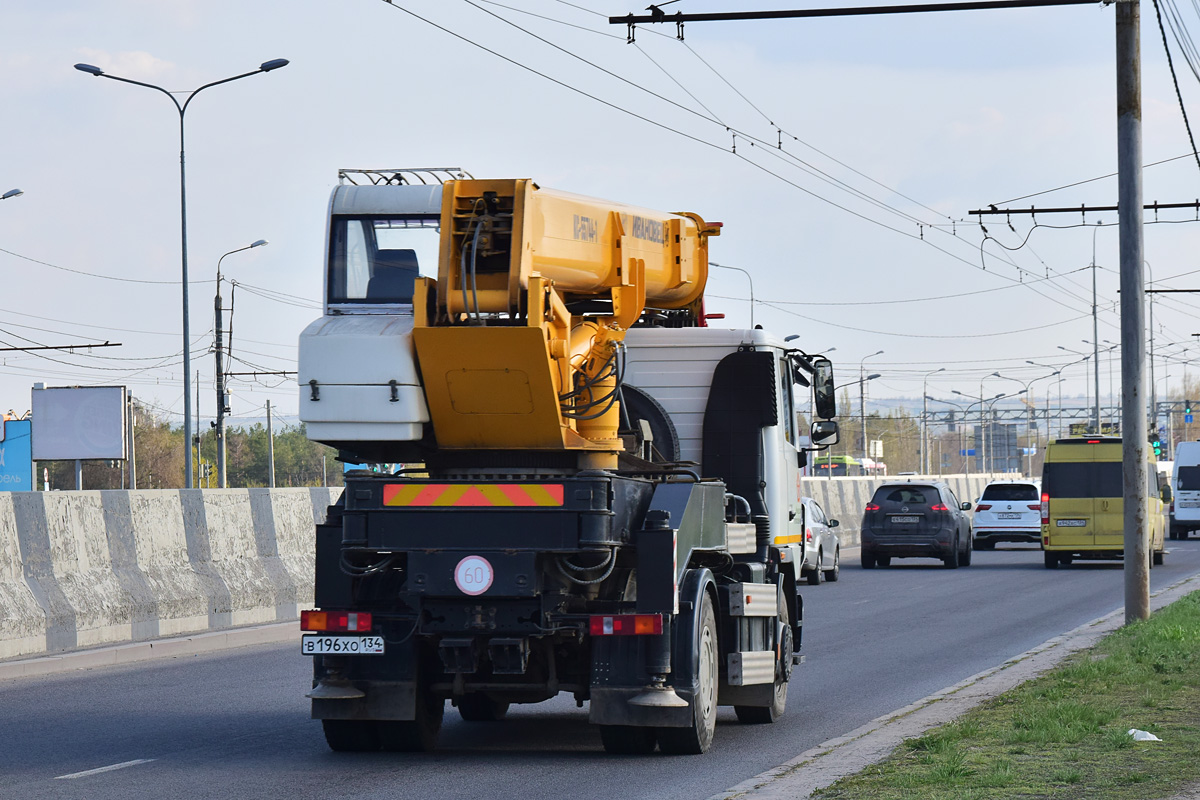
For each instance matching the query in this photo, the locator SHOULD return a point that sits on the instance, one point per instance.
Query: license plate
(905, 520)
(1189, 504)
(342, 645)
(1071, 523)
(1007, 515)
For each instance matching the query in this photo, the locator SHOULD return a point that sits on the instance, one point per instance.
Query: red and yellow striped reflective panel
(433, 495)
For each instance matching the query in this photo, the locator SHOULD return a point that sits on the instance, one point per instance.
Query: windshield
(376, 260)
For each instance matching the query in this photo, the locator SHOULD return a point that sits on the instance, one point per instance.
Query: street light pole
(266, 66)
(749, 278)
(925, 421)
(219, 347)
(961, 455)
(862, 401)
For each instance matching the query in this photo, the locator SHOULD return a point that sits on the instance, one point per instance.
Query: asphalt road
(235, 724)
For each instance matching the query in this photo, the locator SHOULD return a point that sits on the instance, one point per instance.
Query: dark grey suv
(923, 520)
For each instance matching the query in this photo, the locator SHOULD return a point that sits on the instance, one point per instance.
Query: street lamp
(749, 278)
(961, 449)
(861, 406)
(980, 400)
(992, 453)
(222, 408)
(266, 66)
(862, 402)
(11, 193)
(925, 420)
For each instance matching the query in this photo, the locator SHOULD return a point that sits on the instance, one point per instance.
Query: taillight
(335, 621)
(872, 507)
(938, 507)
(807, 535)
(982, 507)
(1045, 508)
(1035, 506)
(626, 624)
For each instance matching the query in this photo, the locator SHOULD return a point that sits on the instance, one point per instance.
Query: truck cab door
(782, 453)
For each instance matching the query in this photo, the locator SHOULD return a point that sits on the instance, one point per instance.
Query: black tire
(964, 556)
(626, 740)
(479, 707)
(814, 575)
(1051, 560)
(867, 558)
(883, 561)
(698, 737)
(418, 735)
(765, 715)
(351, 735)
(951, 561)
(1172, 533)
(831, 575)
(1158, 558)
(984, 545)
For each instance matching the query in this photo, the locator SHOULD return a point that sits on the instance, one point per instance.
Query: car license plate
(911, 520)
(1007, 515)
(342, 645)
(1071, 523)
(1189, 503)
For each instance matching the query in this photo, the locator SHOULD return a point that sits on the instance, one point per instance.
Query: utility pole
(270, 449)
(1133, 343)
(219, 346)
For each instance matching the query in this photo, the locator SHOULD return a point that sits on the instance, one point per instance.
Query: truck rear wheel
(351, 735)
(418, 735)
(698, 737)
(627, 740)
(479, 707)
(1051, 560)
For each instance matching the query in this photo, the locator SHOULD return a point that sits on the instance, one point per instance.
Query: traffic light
(1187, 406)
(1156, 443)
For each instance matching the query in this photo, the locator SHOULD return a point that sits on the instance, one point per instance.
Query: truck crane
(597, 493)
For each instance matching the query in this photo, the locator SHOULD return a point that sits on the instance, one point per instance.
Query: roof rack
(401, 177)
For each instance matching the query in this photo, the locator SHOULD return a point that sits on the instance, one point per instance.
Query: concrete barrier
(844, 498)
(79, 569)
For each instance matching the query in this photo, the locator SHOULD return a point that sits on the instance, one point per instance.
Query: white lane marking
(98, 770)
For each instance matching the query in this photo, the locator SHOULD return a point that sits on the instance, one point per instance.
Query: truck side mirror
(1166, 494)
(824, 433)
(823, 392)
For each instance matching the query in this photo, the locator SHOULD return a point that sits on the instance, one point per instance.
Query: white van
(1185, 481)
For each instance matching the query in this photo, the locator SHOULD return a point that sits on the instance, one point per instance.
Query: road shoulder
(845, 755)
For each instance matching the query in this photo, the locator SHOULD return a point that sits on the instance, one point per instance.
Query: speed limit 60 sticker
(473, 575)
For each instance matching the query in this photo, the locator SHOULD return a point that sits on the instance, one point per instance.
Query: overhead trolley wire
(767, 146)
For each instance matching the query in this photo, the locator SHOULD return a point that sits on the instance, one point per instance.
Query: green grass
(1064, 734)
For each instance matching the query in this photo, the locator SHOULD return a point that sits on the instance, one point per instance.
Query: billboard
(16, 465)
(75, 422)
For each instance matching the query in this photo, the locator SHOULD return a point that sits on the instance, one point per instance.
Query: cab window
(377, 260)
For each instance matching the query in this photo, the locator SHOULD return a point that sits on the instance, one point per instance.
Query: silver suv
(1008, 511)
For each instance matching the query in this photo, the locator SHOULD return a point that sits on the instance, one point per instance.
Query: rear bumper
(1009, 534)
(922, 546)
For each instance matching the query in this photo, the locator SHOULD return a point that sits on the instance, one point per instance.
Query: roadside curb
(195, 644)
(846, 755)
